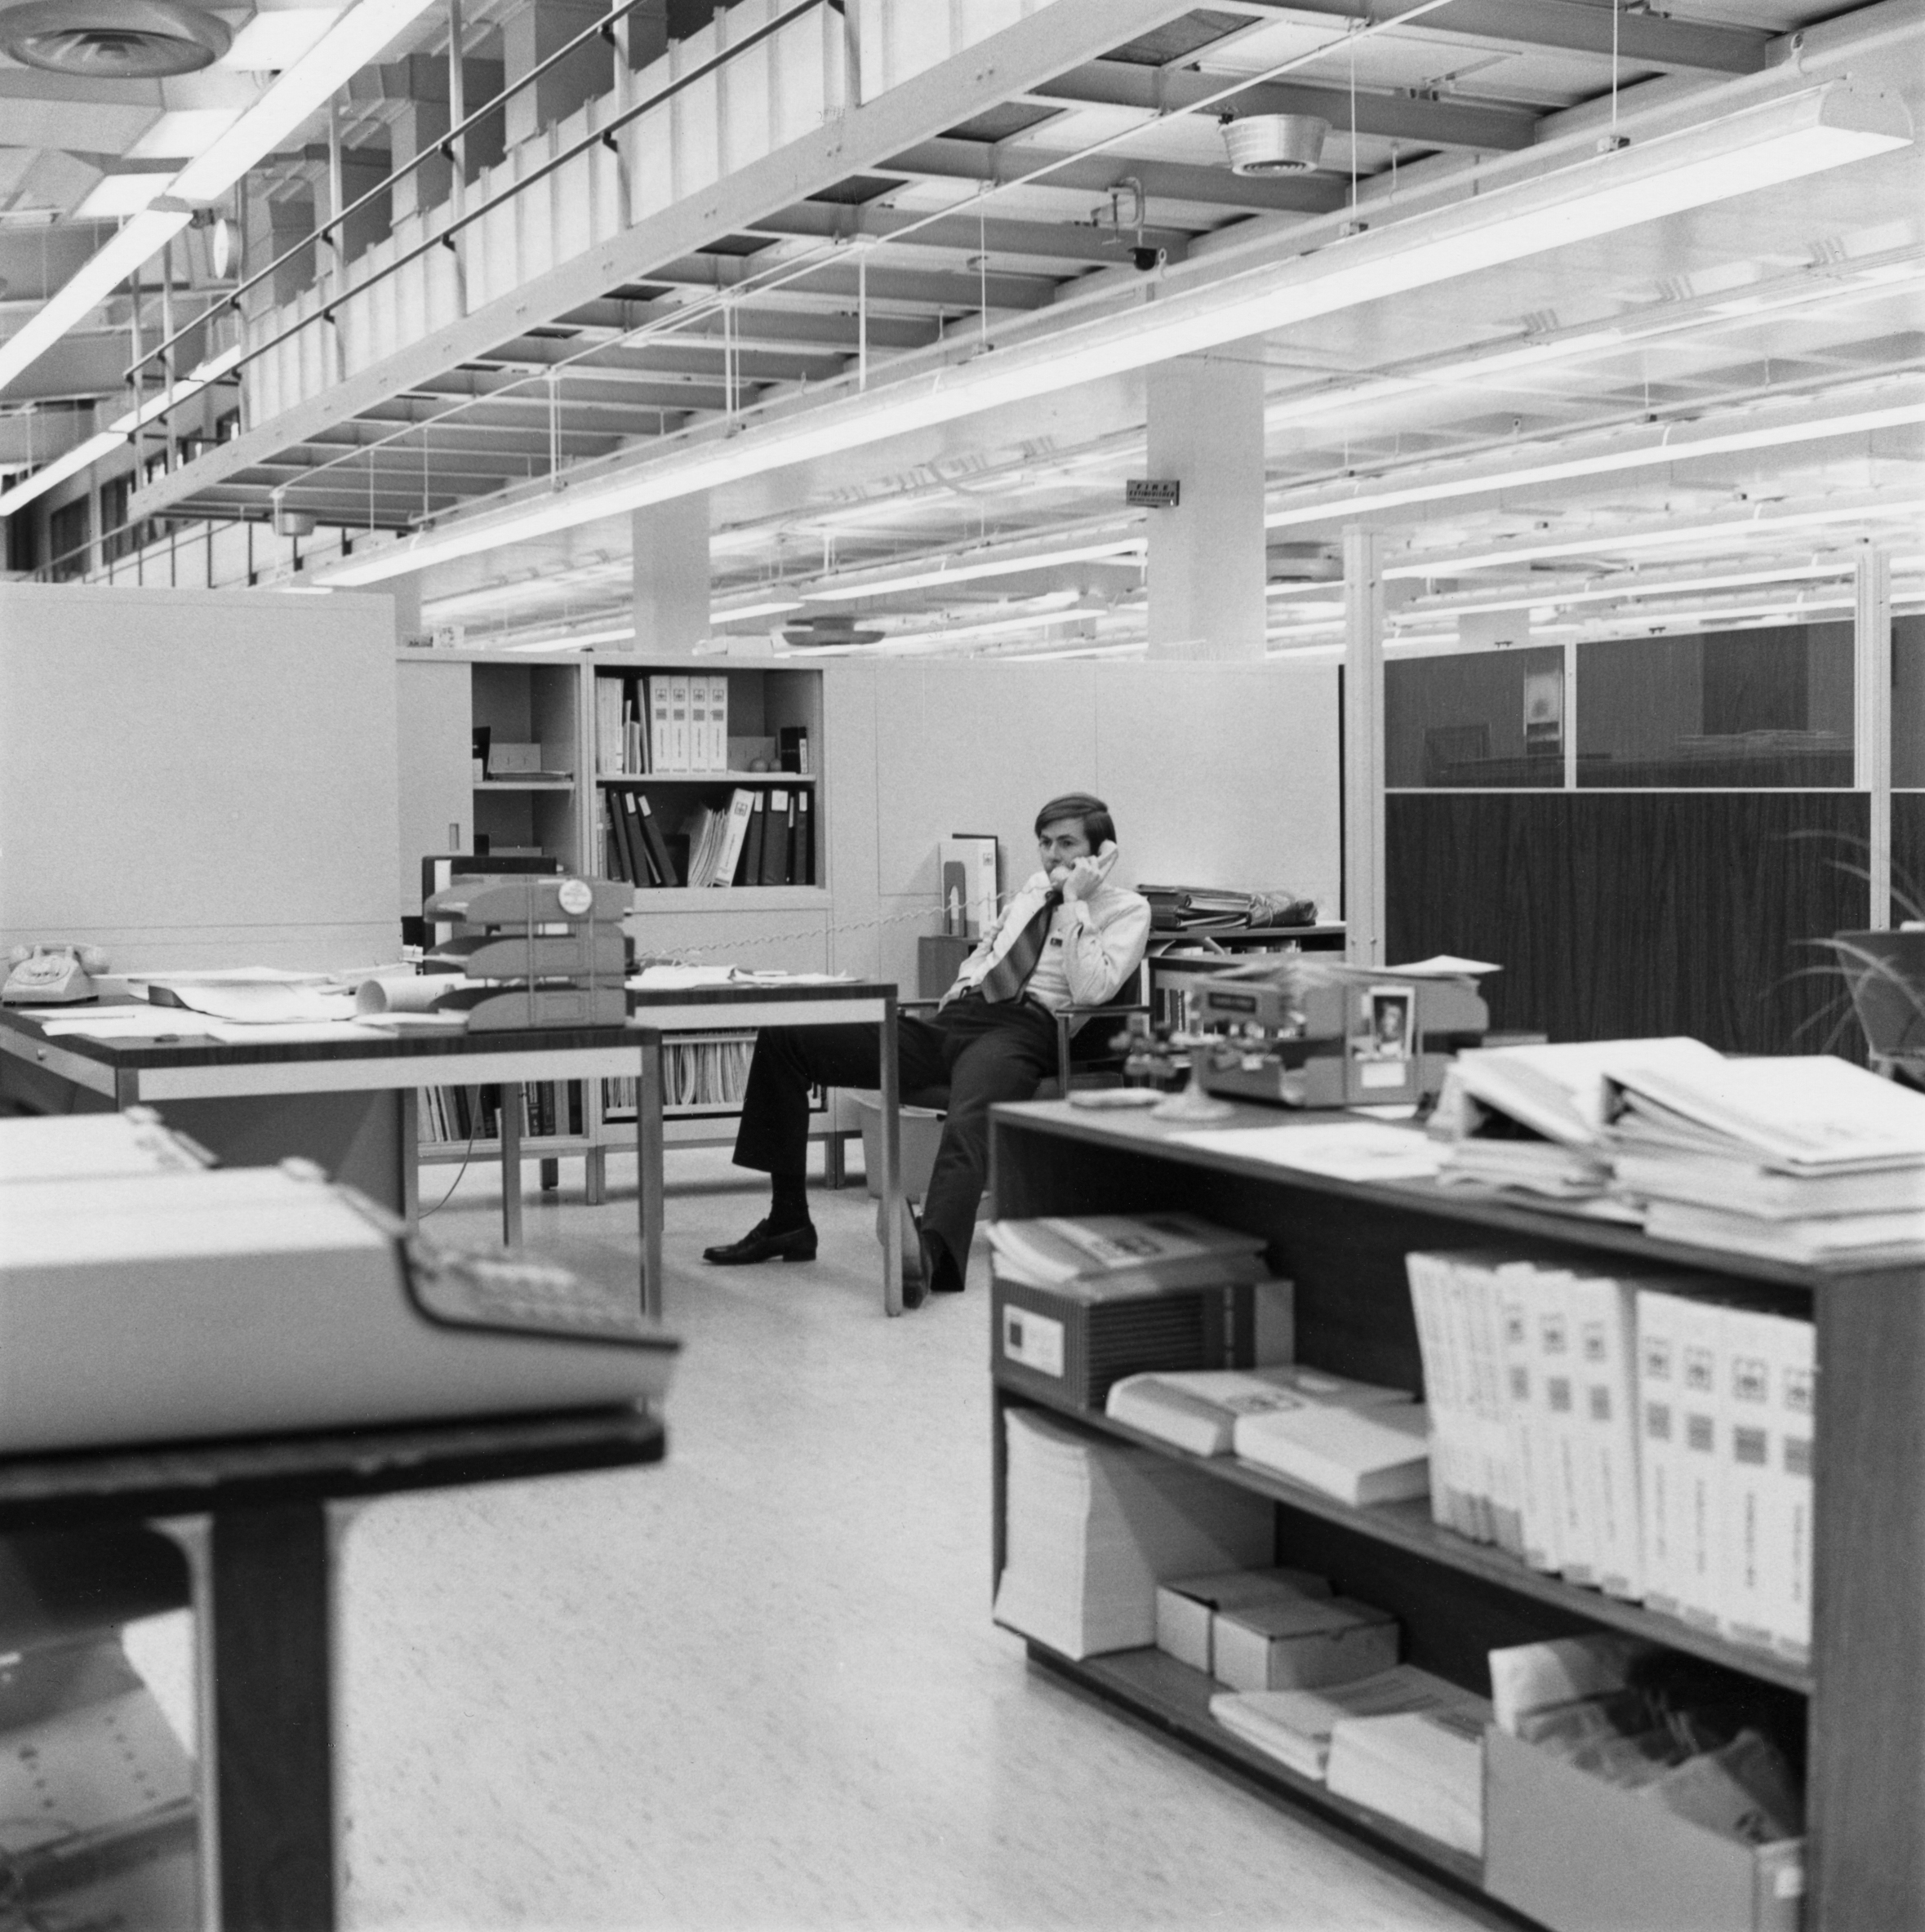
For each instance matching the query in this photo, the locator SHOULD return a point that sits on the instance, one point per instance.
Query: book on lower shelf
(550, 1109)
(1295, 1726)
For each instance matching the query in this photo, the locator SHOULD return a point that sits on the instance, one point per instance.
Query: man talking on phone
(1067, 938)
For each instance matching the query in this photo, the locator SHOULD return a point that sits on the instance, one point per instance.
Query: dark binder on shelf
(658, 846)
(805, 840)
(615, 858)
(775, 845)
(794, 742)
(633, 847)
(791, 873)
(752, 846)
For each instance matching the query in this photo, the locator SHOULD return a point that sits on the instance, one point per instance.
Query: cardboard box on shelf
(1580, 1855)
(1187, 1606)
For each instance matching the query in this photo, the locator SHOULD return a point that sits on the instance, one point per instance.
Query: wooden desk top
(20, 1032)
(83, 1486)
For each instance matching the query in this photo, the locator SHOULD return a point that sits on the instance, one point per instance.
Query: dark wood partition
(1617, 914)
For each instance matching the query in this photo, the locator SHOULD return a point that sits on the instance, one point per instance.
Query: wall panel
(1621, 914)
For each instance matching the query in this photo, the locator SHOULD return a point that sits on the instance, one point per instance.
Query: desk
(349, 1105)
(253, 1518)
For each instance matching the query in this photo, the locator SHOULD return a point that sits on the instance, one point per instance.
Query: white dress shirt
(1094, 945)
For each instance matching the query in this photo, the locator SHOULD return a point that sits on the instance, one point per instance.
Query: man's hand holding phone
(1085, 878)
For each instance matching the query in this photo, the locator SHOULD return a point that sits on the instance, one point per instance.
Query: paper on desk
(1347, 1150)
(230, 976)
(1445, 965)
(122, 1023)
(777, 977)
(254, 1032)
(409, 1023)
(278, 1004)
(677, 979)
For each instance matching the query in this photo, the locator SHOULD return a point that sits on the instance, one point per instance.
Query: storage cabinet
(1343, 1246)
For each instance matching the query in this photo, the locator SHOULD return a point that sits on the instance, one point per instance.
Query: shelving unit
(763, 702)
(1343, 1246)
(445, 695)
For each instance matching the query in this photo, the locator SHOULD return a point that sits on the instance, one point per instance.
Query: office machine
(204, 1302)
(537, 950)
(1334, 1035)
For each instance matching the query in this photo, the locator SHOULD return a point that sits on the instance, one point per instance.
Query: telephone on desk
(51, 975)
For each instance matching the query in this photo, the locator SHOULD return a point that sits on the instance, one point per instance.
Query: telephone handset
(51, 975)
(1101, 862)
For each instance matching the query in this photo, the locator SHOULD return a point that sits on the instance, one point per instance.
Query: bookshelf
(657, 743)
(1343, 1244)
(445, 695)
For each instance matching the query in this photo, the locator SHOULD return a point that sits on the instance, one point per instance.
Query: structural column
(671, 559)
(1206, 556)
(1363, 749)
(1872, 723)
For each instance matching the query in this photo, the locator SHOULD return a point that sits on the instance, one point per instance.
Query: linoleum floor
(757, 1686)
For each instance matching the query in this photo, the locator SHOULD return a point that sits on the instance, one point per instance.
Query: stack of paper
(1124, 1254)
(1295, 1726)
(1360, 1456)
(1802, 1157)
(1425, 1768)
(1197, 1409)
(1092, 1527)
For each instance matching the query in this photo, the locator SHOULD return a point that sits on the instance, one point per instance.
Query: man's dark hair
(1098, 827)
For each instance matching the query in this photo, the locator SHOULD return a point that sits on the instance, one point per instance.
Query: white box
(1186, 1606)
(1299, 1643)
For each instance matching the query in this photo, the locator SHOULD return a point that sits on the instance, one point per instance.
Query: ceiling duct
(805, 632)
(114, 39)
(1265, 144)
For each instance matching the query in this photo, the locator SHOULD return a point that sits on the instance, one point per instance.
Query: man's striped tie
(1006, 979)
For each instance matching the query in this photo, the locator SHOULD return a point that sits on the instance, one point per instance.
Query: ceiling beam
(1067, 241)
(980, 76)
(1396, 117)
(1570, 26)
(1162, 181)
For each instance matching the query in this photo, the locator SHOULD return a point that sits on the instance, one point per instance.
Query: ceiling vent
(114, 39)
(1275, 144)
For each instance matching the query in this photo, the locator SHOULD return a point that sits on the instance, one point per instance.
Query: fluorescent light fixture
(1735, 529)
(115, 435)
(968, 566)
(115, 195)
(271, 42)
(1723, 613)
(577, 640)
(186, 131)
(1757, 147)
(88, 286)
(743, 613)
(340, 53)
(1646, 456)
(1304, 587)
(1557, 600)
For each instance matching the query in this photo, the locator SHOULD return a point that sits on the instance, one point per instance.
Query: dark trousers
(983, 1053)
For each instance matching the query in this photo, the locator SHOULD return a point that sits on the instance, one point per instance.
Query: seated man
(1067, 938)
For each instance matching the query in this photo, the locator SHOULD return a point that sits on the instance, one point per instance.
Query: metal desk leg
(648, 1173)
(891, 1176)
(410, 1155)
(272, 1720)
(510, 1112)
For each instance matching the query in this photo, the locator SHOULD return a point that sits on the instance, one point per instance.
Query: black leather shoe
(759, 1244)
